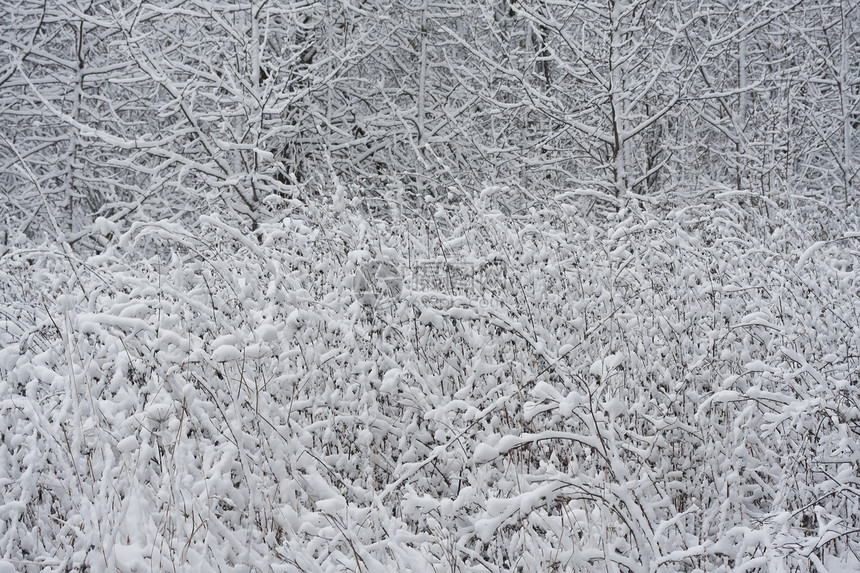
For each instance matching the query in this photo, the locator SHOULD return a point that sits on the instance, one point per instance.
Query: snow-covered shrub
(545, 393)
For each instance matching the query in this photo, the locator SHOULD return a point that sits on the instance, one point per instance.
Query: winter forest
(430, 286)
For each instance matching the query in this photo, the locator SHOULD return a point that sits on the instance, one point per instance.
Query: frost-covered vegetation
(654, 393)
(413, 285)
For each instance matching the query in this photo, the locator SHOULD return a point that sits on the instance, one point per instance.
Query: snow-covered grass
(672, 393)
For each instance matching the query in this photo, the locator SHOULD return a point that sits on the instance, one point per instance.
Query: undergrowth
(650, 393)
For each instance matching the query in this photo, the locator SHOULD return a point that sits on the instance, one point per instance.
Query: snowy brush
(377, 282)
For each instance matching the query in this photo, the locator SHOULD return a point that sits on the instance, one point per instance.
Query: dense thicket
(430, 286)
(660, 394)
